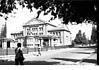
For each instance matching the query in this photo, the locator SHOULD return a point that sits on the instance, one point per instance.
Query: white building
(39, 33)
(7, 43)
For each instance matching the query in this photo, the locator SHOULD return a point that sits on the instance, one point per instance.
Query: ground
(66, 56)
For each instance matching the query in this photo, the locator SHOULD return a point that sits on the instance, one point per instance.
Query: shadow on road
(81, 52)
(75, 60)
(5, 62)
(90, 61)
(66, 59)
(40, 63)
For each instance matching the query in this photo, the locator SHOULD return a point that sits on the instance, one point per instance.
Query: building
(39, 33)
(7, 43)
(4, 41)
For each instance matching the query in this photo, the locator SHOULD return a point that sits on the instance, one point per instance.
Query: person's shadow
(6, 62)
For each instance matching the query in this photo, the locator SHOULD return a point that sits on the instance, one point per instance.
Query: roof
(21, 37)
(21, 32)
(6, 39)
(58, 29)
(42, 36)
(47, 37)
(35, 21)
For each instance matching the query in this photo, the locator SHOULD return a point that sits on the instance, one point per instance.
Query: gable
(35, 21)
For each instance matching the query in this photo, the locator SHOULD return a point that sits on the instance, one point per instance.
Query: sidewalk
(81, 59)
(34, 54)
(91, 59)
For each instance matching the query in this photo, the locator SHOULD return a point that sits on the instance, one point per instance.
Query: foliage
(80, 38)
(84, 39)
(94, 35)
(3, 31)
(6, 6)
(69, 10)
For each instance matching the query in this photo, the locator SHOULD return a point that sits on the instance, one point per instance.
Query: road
(68, 56)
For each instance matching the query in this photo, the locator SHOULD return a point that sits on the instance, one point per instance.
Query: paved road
(68, 56)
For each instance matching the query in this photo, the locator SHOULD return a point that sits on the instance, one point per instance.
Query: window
(56, 33)
(40, 33)
(28, 29)
(35, 33)
(8, 44)
(36, 29)
(33, 29)
(59, 34)
(36, 40)
(66, 36)
(60, 41)
(32, 33)
(28, 33)
(41, 28)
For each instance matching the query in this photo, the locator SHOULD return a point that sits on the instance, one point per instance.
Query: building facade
(39, 33)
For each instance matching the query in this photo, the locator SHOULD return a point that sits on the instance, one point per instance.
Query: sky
(19, 17)
(84, 27)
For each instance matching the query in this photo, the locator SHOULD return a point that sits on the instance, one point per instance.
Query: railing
(11, 51)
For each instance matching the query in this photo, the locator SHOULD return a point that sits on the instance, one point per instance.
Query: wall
(13, 44)
(11, 51)
(4, 44)
(49, 27)
(21, 41)
(67, 38)
(30, 42)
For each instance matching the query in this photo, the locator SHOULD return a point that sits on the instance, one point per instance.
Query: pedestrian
(19, 58)
(39, 50)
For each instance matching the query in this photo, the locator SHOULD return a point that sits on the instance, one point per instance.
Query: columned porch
(46, 40)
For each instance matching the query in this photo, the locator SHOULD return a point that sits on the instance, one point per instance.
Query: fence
(11, 51)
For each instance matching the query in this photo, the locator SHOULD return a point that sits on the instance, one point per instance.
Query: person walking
(19, 58)
(39, 50)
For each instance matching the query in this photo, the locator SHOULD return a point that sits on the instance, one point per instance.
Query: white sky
(15, 22)
(87, 28)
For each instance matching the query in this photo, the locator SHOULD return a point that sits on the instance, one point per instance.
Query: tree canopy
(94, 35)
(80, 38)
(69, 10)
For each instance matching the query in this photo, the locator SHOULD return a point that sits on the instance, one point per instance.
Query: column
(49, 42)
(41, 42)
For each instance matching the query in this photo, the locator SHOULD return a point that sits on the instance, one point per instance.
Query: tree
(81, 38)
(78, 38)
(69, 10)
(3, 32)
(94, 35)
(84, 39)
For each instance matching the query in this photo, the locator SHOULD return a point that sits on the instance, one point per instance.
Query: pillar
(49, 42)
(41, 42)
